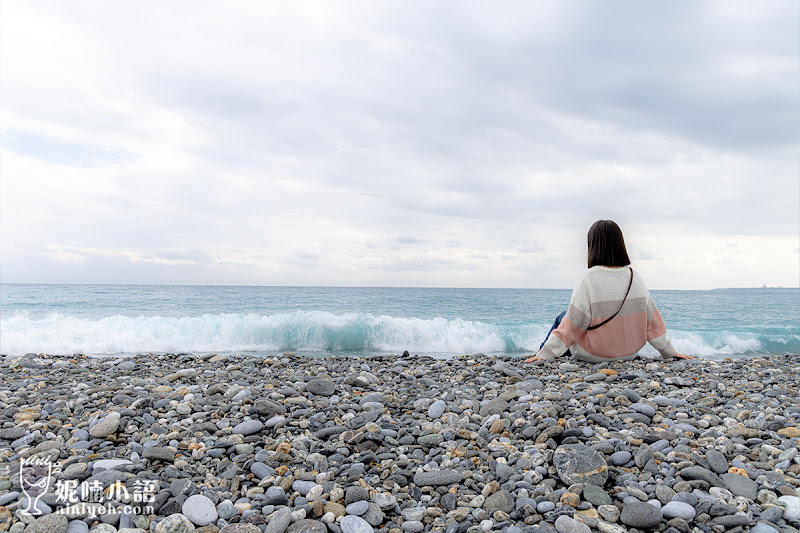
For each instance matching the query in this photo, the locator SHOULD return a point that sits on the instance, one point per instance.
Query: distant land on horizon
(762, 288)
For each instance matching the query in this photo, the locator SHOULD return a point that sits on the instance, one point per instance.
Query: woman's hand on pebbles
(683, 356)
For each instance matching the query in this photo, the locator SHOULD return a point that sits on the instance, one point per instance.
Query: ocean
(107, 320)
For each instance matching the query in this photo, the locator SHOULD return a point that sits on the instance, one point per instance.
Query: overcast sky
(378, 143)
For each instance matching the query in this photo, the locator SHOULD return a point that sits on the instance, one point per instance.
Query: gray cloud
(239, 138)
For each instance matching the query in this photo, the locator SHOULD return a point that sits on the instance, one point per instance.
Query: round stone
(437, 478)
(740, 485)
(105, 426)
(609, 513)
(502, 500)
(717, 461)
(51, 523)
(640, 515)
(175, 523)
(248, 427)
(578, 463)
(321, 387)
(437, 409)
(306, 525)
(357, 508)
(355, 524)
(566, 524)
(77, 526)
(675, 509)
(596, 495)
(199, 509)
(385, 501)
(240, 528)
(159, 453)
(791, 505)
(280, 521)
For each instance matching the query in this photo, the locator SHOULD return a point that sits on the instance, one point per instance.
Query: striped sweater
(597, 296)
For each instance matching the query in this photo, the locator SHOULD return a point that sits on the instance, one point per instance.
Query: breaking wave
(323, 333)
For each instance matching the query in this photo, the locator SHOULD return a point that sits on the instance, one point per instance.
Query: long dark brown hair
(606, 245)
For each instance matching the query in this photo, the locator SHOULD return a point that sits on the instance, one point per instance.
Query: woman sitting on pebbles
(611, 314)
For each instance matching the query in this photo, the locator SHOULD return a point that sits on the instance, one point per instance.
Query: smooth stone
(110, 464)
(306, 525)
(596, 495)
(431, 440)
(103, 528)
(740, 485)
(248, 427)
(734, 520)
(502, 500)
(717, 461)
(414, 513)
(609, 513)
(388, 501)
(772, 514)
(159, 453)
(545, 507)
(437, 478)
(321, 387)
(355, 524)
(175, 523)
(578, 463)
(644, 408)
(38, 506)
(9, 497)
(199, 509)
(565, 524)
(357, 508)
(437, 409)
(105, 426)
(303, 486)
(675, 509)
(77, 526)
(791, 506)
(620, 458)
(261, 470)
(274, 421)
(50, 523)
(355, 494)
(280, 521)
(240, 528)
(227, 511)
(640, 515)
(412, 526)
(703, 474)
(374, 515)
(761, 527)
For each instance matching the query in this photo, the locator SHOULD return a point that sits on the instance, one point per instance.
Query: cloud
(252, 139)
(408, 239)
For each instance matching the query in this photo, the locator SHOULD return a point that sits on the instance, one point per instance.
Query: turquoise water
(124, 319)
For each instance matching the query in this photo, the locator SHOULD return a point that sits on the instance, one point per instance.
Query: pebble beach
(399, 444)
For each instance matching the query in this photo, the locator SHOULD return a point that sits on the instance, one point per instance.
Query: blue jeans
(555, 325)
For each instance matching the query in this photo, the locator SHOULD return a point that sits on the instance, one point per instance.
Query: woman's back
(611, 314)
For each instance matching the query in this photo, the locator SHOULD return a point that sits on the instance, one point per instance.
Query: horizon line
(763, 287)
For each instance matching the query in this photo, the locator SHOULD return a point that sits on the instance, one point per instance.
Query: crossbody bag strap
(607, 320)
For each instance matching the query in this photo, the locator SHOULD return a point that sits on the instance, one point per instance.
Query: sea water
(321, 321)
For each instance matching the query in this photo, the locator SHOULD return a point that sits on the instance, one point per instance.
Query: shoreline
(339, 356)
(404, 444)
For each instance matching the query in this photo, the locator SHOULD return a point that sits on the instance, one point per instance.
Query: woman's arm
(657, 334)
(572, 326)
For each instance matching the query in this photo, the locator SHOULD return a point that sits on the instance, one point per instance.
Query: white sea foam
(318, 332)
(315, 332)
